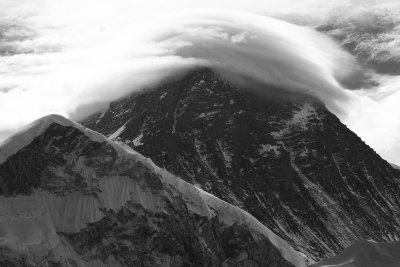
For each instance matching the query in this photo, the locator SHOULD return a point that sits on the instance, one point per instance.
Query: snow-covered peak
(26, 135)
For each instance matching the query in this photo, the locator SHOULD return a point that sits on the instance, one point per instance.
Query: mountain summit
(287, 160)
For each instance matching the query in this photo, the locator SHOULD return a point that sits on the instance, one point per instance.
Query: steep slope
(71, 197)
(285, 159)
(365, 254)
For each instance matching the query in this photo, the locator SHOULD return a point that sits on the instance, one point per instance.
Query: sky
(74, 57)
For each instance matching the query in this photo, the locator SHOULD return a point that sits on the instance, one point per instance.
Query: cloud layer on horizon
(58, 58)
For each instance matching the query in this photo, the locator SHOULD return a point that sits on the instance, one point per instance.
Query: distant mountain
(71, 197)
(366, 254)
(283, 157)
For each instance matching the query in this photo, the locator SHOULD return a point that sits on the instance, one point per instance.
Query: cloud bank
(73, 58)
(268, 50)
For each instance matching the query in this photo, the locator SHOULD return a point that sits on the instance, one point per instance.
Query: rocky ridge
(71, 197)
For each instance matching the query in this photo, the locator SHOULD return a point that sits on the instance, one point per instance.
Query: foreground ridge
(71, 197)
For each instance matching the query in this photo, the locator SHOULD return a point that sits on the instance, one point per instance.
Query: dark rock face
(138, 237)
(138, 217)
(288, 161)
(51, 161)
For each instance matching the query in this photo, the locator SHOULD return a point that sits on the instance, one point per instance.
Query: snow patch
(227, 157)
(118, 132)
(268, 148)
(207, 114)
(300, 120)
(101, 116)
(303, 114)
(138, 140)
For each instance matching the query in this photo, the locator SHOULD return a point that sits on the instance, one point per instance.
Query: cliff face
(71, 197)
(287, 160)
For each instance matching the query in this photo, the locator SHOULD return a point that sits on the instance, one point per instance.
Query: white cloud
(75, 56)
(269, 50)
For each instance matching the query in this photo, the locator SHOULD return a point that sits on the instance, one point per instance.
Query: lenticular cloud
(268, 50)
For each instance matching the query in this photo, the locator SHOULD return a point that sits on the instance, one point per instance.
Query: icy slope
(365, 254)
(72, 197)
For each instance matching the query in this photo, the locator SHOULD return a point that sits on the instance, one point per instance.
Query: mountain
(367, 37)
(281, 156)
(366, 253)
(71, 197)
